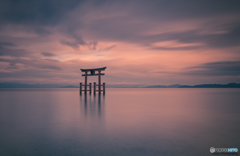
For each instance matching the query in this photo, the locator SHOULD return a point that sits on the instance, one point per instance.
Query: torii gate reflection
(92, 105)
(92, 73)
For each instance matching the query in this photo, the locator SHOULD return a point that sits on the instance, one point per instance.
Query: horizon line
(37, 85)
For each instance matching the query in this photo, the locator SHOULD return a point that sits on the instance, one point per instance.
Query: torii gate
(92, 73)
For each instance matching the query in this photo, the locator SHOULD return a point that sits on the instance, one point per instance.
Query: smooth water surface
(123, 122)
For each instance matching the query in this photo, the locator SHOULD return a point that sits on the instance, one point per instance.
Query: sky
(141, 42)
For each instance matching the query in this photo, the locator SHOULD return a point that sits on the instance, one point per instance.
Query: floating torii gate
(92, 73)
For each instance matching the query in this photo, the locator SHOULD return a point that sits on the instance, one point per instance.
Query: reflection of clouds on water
(92, 105)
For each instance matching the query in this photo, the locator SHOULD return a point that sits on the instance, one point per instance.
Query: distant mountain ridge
(229, 85)
(164, 86)
(69, 86)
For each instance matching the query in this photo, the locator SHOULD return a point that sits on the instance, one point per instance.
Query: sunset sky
(141, 42)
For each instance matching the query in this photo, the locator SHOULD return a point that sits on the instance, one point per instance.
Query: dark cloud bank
(10, 49)
(39, 14)
(35, 12)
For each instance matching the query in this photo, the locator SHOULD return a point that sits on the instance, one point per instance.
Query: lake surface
(123, 122)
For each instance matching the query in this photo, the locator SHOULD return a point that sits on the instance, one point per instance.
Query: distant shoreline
(229, 85)
(20, 85)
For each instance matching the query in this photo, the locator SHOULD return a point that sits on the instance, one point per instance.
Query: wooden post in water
(90, 87)
(99, 81)
(103, 88)
(85, 82)
(94, 89)
(80, 89)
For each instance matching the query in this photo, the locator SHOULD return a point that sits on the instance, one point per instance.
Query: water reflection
(92, 106)
(140, 121)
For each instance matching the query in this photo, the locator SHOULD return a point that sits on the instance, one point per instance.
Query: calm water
(124, 122)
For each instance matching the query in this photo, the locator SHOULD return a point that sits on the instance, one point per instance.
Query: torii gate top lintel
(94, 69)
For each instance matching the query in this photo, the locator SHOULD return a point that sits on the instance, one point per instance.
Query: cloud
(75, 42)
(6, 44)
(92, 45)
(225, 68)
(10, 49)
(44, 12)
(108, 48)
(214, 24)
(43, 31)
(229, 38)
(14, 63)
(47, 54)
